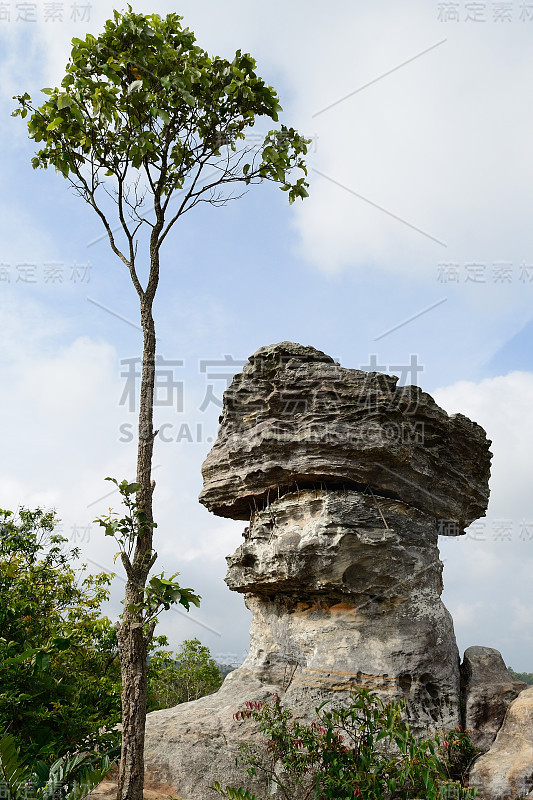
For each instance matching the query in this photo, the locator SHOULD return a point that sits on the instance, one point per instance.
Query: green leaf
(42, 660)
(64, 101)
(55, 124)
(13, 772)
(61, 642)
(134, 86)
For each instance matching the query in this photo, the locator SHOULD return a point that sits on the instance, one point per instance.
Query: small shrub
(363, 752)
(458, 753)
(68, 778)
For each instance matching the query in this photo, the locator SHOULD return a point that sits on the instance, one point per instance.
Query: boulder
(505, 772)
(107, 790)
(488, 688)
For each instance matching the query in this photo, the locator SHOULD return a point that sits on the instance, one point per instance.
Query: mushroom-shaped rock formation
(346, 480)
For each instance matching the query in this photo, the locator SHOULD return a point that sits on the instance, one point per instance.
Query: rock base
(344, 590)
(506, 771)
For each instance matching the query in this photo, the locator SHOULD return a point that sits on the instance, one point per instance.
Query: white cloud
(465, 615)
(487, 575)
(60, 438)
(417, 140)
(522, 617)
(504, 407)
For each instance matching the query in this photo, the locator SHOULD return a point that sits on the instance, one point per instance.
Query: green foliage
(144, 95)
(527, 677)
(160, 592)
(59, 672)
(67, 778)
(458, 753)
(363, 752)
(59, 669)
(179, 678)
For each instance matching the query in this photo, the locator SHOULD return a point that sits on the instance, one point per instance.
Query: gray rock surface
(506, 771)
(294, 418)
(488, 688)
(190, 746)
(108, 789)
(344, 591)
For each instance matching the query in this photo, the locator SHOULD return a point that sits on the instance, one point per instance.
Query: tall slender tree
(143, 115)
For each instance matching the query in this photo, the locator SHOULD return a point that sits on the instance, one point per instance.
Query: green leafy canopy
(59, 671)
(144, 95)
(180, 677)
(143, 115)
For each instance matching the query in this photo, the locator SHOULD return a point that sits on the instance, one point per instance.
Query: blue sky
(416, 240)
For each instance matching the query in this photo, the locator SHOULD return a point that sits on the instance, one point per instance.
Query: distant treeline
(527, 677)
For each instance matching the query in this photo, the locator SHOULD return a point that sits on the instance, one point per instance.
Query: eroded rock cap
(294, 418)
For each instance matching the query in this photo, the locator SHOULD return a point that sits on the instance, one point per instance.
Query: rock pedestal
(345, 589)
(346, 480)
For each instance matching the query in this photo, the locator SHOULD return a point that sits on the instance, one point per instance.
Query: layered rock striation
(293, 418)
(346, 480)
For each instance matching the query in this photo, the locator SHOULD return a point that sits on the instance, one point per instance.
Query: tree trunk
(145, 446)
(132, 649)
(133, 641)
